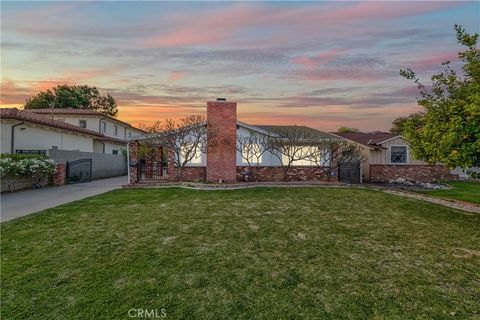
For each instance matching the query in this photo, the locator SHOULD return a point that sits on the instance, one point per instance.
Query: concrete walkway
(21, 203)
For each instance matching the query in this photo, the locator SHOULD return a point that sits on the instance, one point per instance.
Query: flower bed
(22, 171)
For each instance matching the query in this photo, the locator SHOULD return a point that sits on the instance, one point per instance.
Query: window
(304, 151)
(114, 151)
(82, 123)
(104, 126)
(116, 130)
(398, 154)
(251, 152)
(196, 159)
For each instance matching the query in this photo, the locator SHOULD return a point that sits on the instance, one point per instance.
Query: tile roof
(369, 139)
(67, 111)
(14, 113)
(86, 112)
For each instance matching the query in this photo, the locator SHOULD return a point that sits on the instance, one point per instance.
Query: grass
(461, 190)
(265, 253)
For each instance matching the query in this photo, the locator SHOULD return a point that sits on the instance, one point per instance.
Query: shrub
(36, 168)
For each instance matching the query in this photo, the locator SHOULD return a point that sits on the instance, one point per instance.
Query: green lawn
(265, 253)
(461, 190)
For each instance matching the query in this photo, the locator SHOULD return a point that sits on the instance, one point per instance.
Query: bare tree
(187, 138)
(251, 147)
(330, 153)
(293, 143)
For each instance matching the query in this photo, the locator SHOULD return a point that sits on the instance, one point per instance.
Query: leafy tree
(76, 97)
(348, 130)
(399, 124)
(450, 130)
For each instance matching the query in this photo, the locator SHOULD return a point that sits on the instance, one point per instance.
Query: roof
(369, 139)
(14, 113)
(111, 139)
(278, 128)
(85, 112)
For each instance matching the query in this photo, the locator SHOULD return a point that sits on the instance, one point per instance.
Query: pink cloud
(176, 75)
(219, 25)
(320, 59)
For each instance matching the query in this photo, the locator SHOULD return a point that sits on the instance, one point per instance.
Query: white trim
(361, 144)
(254, 128)
(390, 154)
(399, 136)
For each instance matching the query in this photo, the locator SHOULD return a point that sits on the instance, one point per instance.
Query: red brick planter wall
(422, 173)
(297, 173)
(189, 173)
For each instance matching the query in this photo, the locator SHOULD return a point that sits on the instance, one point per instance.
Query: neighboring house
(388, 157)
(28, 132)
(115, 133)
(24, 131)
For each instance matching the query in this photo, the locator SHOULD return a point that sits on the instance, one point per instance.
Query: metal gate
(349, 172)
(79, 171)
(152, 171)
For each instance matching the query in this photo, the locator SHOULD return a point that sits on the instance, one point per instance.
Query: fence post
(60, 175)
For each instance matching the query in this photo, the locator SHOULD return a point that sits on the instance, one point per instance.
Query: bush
(13, 168)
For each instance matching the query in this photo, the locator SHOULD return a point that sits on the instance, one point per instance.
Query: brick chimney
(221, 160)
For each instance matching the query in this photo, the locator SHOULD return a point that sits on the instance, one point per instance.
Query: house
(25, 131)
(115, 133)
(388, 157)
(226, 163)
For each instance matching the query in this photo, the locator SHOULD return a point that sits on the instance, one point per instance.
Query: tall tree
(450, 132)
(251, 147)
(414, 120)
(329, 154)
(348, 130)
(186, 138)
(291, 144)
(76, 97)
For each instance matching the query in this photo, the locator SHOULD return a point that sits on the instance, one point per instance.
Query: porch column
(133, 162)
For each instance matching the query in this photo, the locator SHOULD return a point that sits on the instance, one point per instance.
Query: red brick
(295, 173)
(421, 173)
(60, 175)
(221, 159)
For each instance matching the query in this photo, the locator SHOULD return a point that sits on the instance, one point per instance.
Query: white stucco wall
(93, 123)
(98, 147)
(268, 159)
(6, 130)
(36, 137)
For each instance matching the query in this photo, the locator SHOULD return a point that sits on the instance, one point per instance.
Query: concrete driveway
(21, 203)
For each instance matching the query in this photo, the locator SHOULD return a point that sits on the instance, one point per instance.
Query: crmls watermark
(147, 313)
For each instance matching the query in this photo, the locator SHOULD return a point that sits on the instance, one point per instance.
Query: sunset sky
(321, 64)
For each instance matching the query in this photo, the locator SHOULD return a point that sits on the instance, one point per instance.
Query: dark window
(116, 130)
(398, 154)
(115, 151)
(82, 123)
